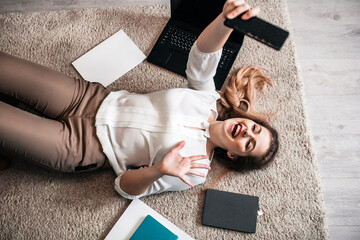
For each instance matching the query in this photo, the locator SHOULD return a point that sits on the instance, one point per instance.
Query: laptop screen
(200, 13)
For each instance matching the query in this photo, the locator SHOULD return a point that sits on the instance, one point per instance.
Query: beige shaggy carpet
(39, 204)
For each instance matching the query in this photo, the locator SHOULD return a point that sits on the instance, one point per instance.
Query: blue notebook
(150, 228)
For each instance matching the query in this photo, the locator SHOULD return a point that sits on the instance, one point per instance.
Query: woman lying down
(155, 142)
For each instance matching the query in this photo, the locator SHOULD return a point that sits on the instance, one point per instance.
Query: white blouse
(137, 130)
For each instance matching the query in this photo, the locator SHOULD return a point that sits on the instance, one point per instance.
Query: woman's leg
(35, 138)
(68, 143)
(48, 91)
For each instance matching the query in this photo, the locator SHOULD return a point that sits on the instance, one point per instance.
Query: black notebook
(229, 210)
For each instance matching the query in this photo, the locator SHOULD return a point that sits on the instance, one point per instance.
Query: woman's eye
(247, 144)
(254, 127)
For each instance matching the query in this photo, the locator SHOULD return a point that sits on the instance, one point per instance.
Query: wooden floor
(327, 39)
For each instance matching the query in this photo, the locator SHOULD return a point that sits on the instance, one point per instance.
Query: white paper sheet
(133, 217)
(109, 60)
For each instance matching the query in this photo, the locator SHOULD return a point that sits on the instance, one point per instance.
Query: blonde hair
(239, 92)
(237, 99)
(238, 96)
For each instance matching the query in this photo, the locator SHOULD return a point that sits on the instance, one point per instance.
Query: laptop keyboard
(184, 41)
(179, 38)
(225, 57)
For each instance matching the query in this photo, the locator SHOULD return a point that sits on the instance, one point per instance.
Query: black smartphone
(259, 29)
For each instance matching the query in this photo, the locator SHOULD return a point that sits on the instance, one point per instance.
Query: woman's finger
(238, 10)
(186, 180)
(251, 13)
(178, 147)
(197, 173)
(198, 157)
(234, 3)
(200, 165)
(229, 6)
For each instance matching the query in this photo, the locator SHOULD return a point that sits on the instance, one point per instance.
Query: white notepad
(109, 60)
(131, 219)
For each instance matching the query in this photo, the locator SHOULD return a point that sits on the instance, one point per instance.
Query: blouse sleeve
(163, 184)
(201, 69)
(157, 187)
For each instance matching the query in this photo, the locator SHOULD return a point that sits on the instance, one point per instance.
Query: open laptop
(188, 19)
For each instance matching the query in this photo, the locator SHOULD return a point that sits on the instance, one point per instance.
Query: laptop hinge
(174, 5)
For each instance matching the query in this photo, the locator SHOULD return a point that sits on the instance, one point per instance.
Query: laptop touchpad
(177, 59)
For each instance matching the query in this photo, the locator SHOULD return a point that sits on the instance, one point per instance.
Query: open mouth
(235, 130)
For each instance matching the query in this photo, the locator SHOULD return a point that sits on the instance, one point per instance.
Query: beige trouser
(65, 137)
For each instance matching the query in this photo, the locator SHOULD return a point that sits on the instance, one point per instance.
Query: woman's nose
(247, 133)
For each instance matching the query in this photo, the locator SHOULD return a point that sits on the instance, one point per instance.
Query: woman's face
(244, 137)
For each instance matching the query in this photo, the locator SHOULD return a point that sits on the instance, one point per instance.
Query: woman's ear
(230, 155)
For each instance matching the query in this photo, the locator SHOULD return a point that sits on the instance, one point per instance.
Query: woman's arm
(136, 182)
(216, 33)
